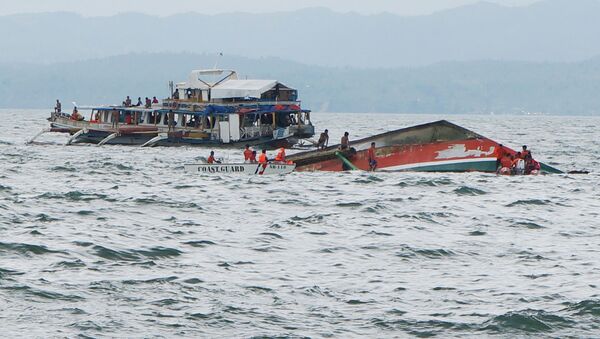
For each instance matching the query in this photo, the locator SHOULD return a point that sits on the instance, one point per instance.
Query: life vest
(247, 154)
(211, 159)
(281, 155)
(262, 158)
(506, 162)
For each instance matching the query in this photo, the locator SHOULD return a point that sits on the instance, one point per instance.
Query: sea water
(118, 241)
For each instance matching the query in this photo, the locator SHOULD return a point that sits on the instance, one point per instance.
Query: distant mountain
(450, 87)
(550, 30)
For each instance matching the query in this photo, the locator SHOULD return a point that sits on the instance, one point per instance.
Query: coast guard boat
(213, 107)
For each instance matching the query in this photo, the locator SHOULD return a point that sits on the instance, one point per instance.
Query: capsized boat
(213, 107)
(439, 146)
(241, 168)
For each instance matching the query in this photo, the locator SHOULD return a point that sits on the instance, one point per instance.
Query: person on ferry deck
(372, 158)
(58, 107)
(345, 141)
(247, 153)
(262, 158)
(128, 101)
(211, 158)
(280, 155)
(524, 152)
(148, 103)
(323, 140)
(252, 159)
(154, 100)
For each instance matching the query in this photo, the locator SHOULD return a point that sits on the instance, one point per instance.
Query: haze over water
(118, 241)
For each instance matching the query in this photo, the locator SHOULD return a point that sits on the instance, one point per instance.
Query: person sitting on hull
(75, 115)
(280, 157)
(344, 144)
(518, 165)
(154, 100)
(128, 101)
(139, 103)
(531, 166)
(211, 158)
(371, 157)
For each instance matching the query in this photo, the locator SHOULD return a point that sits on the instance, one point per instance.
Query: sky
(169, 7)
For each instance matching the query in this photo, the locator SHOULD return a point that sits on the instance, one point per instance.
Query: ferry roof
(243, 88)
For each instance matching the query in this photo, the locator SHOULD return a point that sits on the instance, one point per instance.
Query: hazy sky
(168, 7)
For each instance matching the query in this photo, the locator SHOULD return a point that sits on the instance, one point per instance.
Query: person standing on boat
(524, 152)
(372, 158)
(58, 107)
(345, 141)
(247, 153)
(500, 153)
(171, 121)
(128, 101)
(323, 140)
(262, 158)
(252, 159)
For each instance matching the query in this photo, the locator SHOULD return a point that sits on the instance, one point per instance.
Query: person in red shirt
(211, 158)
(500, 153)
(247, 153)
(280, 155)
(524, 152)
(252, 159)
(372, 159)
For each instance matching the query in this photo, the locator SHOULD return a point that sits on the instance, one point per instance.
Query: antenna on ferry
(217, 60)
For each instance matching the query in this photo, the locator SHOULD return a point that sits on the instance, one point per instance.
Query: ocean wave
(410, 252)
(533, 321)
(526, 202)
(76, 196)
(135, 255)
(585, 307)
(26, 249)
(44, 294)
(527, 224)
(466, 190)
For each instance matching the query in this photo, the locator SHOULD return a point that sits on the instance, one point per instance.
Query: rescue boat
(241, 168)
(439, 146)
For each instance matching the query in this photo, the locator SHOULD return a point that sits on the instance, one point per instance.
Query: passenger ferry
(213, 107)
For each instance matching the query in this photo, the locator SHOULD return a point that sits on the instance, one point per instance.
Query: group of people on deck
(250, 156)
(148, 102)
(516, 164)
